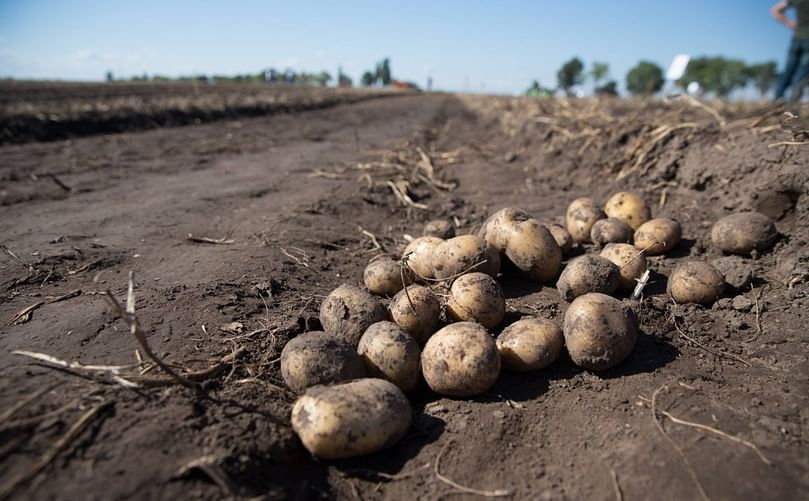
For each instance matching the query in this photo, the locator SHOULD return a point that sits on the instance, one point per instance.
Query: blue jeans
(797, 67)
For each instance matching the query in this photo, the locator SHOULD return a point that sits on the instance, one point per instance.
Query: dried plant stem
(497, 493)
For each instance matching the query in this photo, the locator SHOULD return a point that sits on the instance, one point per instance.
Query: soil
(298, 203)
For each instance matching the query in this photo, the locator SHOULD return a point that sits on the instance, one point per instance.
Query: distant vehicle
(398, 84)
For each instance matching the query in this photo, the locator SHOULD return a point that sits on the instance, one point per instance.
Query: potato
(600, 331)
(562, 237)
(582, 213)
(743, 233)
(391, 353)
(630, 261)
(658, 236)
(464, 254)
(477, 297)
(386, 276)
(348, 310)
(529, 344)
(418, 312)
(610, 230)
(419, 256)
(460, 360)
(319, 358)
(440, 228)
(351, 419)
(497, 228)
(695, 282)
(629, 208)
(533, 250)
(588, 273)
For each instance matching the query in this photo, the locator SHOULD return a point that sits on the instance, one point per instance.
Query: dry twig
(24, 315)
(207, 240)
(497, 493)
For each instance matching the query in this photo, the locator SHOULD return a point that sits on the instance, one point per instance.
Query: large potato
(440, 228)
(562, 237)
(460, 360)
(533, 250)
(530, 344)
(582, 213)
(391, 353)
(695, 282)
(497, 228)
(477, 297)
(464, 254)
(658, 236)
(319, 358)
(351, 419)
(588, 273)
(630, 261)
(348, 310)
(600, 331)
(610, 230)
(417, 311)
(629, 208)
(419, 256)
(743, 233)
(385, 276)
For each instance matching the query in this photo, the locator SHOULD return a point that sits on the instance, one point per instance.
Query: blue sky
(490, 46)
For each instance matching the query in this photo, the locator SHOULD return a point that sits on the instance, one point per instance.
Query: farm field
(236, 229)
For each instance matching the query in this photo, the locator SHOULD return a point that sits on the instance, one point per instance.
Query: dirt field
(298, 204)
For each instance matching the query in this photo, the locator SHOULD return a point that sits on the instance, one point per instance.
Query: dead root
(496, 493)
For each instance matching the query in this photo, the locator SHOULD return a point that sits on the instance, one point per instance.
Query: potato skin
(420, 318)
(533, 250)
(419, 256)
(582, 213)
(562, 237)
(384, 276)
(609, 231)
(658, 236)
(464, 254)
(477, 297)
(629, 208)
(351, 419)
(391, 353)
(530, 344)
(600, 331)
(348, 310)
(317, 358)
(630, 261)
(695, 282)
(496, 229)
(440, 228)
(588, 273)
(460, 360)
(743, 233)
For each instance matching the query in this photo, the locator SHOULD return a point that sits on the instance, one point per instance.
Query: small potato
(582, 213)
(319, 358)
(497, 228)
(464, 254)
(386, 276)
(610, 231)
(658, 236)
(588, 273)
(629, 208)
(533, 250)
(351, 419)
(630, 261)
(529, 344)
(419, 256)
(600, 331)
(417, 311)
(477, 297)
(460, 360)
(440, 228)
(743, 233)
(391, 353)
(348, 310)
(562, 237)
(695, 282)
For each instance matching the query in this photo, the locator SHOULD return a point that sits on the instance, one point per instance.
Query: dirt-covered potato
(533, 250)
(629, 208)
(319, 358)
(743, 233)
(460, 360)
(588, 273)
(477, 297)
(582, 213)
(695, 282)
(351, 419)
(385, 276)
(464, 254)
(529, 344)
(609, 231)
(562, 237)
(440, 228)
(600, 331)
(419, 256)
(391, 353)
(631, 264)
(348, 310)
(417, 311)
(497, 228)
(658, 236)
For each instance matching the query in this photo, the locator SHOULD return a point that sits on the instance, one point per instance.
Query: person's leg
(802, 71)
(793, 59)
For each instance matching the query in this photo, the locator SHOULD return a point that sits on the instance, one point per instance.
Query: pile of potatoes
(428, 316)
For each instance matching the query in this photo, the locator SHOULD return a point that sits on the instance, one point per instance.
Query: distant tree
(763, 75)
(368, 79)
(570, 74)
(343, 80)
(598, 72)
(716, 74)
(608, 89)
(109, 76)
(645, 78)
(384, 73)
(323, 78)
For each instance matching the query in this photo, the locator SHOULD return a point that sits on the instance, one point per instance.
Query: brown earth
(305, 200)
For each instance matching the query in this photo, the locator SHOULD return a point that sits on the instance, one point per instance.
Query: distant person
(797, 67)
